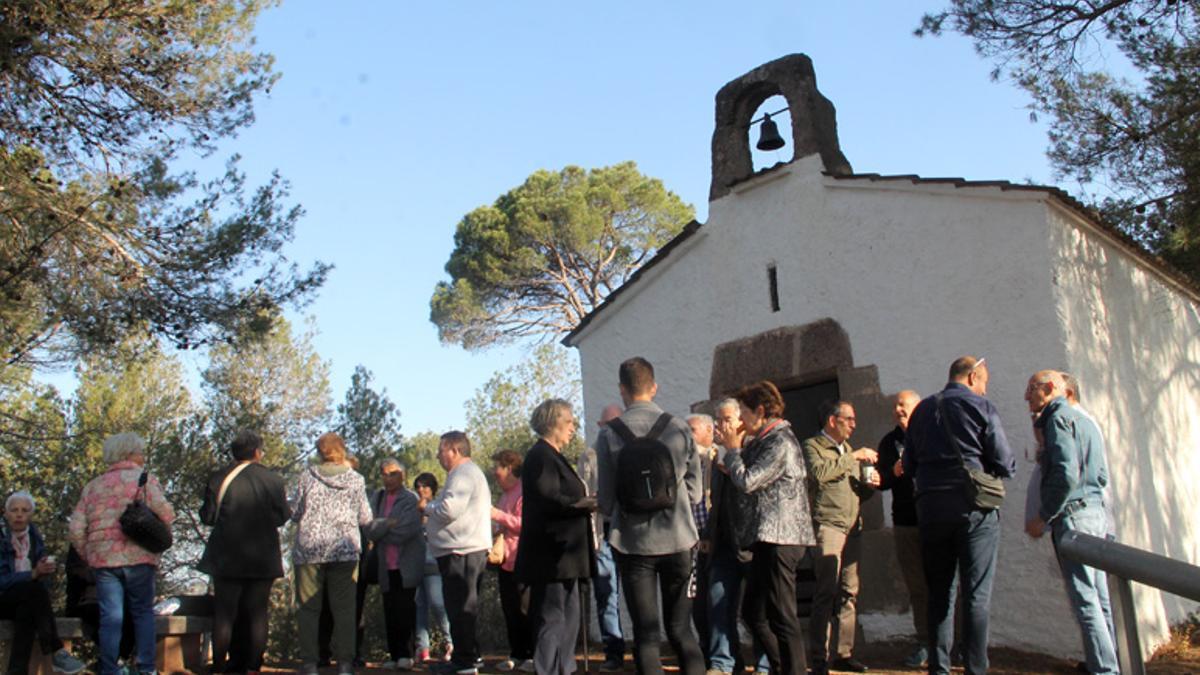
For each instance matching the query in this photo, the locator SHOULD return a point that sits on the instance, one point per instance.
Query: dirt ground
(1178, 658)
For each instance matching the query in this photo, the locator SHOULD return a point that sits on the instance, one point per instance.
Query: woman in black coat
(555, 550)
(246, 510)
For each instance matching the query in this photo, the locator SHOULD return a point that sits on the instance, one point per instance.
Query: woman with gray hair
(398, 557)
(124, 571)
(24, 597)
(555, 548)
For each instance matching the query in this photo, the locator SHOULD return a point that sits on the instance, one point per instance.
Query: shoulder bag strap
(949, 436)
(225, 484)
(141, 486)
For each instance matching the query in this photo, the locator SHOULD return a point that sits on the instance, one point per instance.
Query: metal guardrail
(1123, 565)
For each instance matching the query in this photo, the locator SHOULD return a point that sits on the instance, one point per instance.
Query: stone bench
(181, 646)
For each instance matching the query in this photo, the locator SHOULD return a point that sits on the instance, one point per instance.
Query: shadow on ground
(884, 659)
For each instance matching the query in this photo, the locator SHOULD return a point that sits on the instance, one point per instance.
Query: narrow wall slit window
(773, 283)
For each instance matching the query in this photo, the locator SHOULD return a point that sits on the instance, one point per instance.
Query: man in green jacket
(836, 487)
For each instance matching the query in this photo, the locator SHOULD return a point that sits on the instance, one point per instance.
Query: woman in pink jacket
(506, 518)
(124, 571)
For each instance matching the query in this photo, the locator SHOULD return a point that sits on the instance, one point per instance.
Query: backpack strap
(660, 425)
(623, 431)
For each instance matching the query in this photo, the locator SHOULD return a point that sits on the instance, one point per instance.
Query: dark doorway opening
(801, 404)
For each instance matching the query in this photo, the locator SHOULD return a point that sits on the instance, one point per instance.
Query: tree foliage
(369, 423)
(546, 253)
(276, 384)
(132, 387)
(420, 456)
(1133, 142)
(498, 413)
(97, 237)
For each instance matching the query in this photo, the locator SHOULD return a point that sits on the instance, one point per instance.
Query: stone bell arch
(814, 120)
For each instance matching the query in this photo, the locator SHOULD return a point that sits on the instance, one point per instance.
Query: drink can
(868, 473)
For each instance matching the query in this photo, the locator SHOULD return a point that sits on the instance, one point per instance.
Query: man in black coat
(246, 504)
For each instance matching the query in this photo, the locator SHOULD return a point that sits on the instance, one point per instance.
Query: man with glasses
(836, 488)
(949, 433)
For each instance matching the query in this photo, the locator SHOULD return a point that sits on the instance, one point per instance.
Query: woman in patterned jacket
(775, 521)
(329, 504)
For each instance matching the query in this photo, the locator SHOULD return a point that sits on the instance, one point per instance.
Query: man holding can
(839, 478)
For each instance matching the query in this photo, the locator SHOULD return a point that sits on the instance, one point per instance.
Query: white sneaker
(527, 666)
(403, 663)
(506, 665)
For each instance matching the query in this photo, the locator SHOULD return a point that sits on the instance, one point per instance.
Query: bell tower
(814, 120)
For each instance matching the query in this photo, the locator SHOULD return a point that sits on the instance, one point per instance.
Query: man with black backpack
(649, 475)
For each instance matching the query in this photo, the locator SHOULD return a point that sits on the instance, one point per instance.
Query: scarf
(20, 542)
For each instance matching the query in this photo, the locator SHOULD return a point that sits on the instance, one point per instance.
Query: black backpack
(645, 471)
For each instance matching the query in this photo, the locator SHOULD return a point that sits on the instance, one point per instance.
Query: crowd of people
(701, 521)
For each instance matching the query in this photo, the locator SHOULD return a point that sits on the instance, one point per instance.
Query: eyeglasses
(385, 474)
(848, 418)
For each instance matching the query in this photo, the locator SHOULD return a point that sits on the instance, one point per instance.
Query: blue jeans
(606, 588)
(114, 587)
(1087, 589)
(726, 591)
(965, 548)
(431, 606)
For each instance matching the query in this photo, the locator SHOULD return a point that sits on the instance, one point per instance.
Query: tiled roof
(1124, 240)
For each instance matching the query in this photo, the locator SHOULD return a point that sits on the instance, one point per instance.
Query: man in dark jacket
(904, 521)
(246, 504)
(954, 430)
(729, 563)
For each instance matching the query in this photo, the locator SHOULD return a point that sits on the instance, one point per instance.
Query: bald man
(1074, 475)
(954, 429)
(904, 520)
(606, 582)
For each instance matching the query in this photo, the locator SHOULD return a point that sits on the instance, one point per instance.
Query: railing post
(1129, 652)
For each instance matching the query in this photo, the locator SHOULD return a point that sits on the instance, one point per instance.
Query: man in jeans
(728, 564)
(955, 428)
(836, 493)
(606, 580)
(459, 533)
(1074, 476)
(653, 549)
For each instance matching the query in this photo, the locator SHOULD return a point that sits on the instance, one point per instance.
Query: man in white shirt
(459, 534)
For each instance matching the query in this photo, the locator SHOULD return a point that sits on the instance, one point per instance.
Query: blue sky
(394, 119)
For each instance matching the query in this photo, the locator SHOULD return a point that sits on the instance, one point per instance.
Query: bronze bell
(768, 136)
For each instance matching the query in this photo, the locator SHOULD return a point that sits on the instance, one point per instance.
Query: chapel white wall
(1133, 339)
(916, 275)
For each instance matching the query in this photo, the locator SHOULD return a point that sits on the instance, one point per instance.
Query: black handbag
(143, 526)
(984, 490)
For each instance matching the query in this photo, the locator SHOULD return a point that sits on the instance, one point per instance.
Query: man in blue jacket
(949, 432)
(1074, 475)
